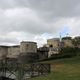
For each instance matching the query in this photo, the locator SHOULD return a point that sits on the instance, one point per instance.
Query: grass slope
(63, 69)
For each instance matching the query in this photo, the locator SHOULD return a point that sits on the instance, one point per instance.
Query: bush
(66, 53)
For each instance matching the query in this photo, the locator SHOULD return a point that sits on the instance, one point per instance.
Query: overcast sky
(38, 20)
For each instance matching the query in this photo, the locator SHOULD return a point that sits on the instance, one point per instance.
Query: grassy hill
(63, 69)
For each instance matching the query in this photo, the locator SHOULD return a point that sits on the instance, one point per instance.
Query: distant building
(26, 51)
(15, 51)
(27, 48)
(53, 45)
(54, 42)
(67, 42)
(43, 52)
(3, 51)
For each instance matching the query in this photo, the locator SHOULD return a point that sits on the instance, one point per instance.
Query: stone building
(30, 48)
(26, 50)
(26, 47)
(67, 42)
(43, 52)
(54, 42)
(3, 51)
(13, 51)
(53, 45)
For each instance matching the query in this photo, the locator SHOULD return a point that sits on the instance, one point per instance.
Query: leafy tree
(76, 41)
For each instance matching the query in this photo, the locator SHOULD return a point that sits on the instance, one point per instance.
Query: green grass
(62, 69)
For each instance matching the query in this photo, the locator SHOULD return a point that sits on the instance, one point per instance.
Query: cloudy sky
(38, 20)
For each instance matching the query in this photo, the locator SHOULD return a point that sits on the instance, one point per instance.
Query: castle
(52, 47)
(55, 44)
(25, 48)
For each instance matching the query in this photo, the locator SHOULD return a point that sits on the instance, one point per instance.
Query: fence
(18, 71)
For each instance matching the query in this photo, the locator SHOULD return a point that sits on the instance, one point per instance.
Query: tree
(76, 41)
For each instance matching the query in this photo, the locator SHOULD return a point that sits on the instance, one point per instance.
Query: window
(51, 46)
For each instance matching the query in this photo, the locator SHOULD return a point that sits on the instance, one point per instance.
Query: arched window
(51, 46)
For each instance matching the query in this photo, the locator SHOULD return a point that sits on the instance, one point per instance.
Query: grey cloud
(35, 17)
(49, 10)
(3, 40)
(24, 20)
(46, 9)
(9, 40)
(5, 4)
(60, 8)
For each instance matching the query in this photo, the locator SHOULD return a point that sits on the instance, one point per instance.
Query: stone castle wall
(15, 51)
(3, 51)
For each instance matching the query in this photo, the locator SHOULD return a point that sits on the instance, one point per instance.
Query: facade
(54, 42)
(26, 47)
(15, 51)
(26, 51)
(67, 42)
(30, 48)
(43, 52)
(53, 45)
(53, 51)
(3, 51)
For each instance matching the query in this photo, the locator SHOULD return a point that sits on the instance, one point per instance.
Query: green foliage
(76, 41)
(68, 52)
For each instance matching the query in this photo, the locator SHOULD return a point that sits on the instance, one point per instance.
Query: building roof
(14, 46)
(28, 42)
(53, 39)
(66, 38)
(3, 46)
